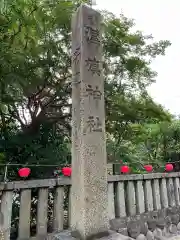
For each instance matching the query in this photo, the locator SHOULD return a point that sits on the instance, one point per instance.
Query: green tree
(35, 74)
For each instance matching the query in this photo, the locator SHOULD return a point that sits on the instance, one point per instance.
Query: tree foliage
(35, 81)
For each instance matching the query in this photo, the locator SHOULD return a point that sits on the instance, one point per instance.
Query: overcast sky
(162, 20)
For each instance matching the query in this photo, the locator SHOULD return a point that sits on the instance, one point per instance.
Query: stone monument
(89, 199)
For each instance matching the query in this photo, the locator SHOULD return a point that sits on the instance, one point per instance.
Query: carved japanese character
(98, 125)
(93, 124)
(94, 93)
(75, 55)
(75, 79)
(93, 66)
(92, 35)
(97, 94)
(92, 20)
(90, 123)
(89, 91)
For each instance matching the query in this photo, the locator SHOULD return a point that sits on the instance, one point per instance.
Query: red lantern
(66, 171)
(24, 172)
(169, 167)
(148, 168)
(124, 169)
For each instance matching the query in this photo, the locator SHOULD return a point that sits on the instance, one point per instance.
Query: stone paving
(175, 237)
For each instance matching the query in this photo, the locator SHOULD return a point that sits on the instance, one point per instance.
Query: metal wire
(34, 165)
(59, 165)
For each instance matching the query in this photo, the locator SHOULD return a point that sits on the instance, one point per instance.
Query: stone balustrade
(145, 206)
(139, 205)
(40, 203)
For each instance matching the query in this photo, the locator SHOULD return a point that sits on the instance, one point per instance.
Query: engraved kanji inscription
(97, 93)
(93, 124)
(92, 20)
(93, 93)
(76, 55)
(89, 91)
(92, 35)
(94, 66)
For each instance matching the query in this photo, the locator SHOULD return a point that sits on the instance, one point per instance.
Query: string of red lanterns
(169, 167)
(149, 168)
(67, 171)
(25, 172)
(124, 169)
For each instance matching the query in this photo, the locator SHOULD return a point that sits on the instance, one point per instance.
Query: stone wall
(156, 224)
(145, 206)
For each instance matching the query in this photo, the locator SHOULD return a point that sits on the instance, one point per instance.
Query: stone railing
(145, 206)
(36, 207)
(137, 204)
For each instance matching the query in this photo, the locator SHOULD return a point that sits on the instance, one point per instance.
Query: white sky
(162, 20)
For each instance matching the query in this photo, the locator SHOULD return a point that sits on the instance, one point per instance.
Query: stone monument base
(103, 233)
(106, 235)
(113, 235)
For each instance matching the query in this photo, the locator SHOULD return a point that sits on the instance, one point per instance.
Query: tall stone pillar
(89, 212)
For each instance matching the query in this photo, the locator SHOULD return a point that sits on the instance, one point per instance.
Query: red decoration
(66, 171)
(124, 169)
(24, 172)
(148, 168)
(169, 167)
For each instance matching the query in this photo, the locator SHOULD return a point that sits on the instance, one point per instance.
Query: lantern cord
(142, 164)
(34, 165)
(68, 165)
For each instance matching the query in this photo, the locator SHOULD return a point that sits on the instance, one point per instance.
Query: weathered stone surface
(64, 235)
(144, 227)
(168, 221)
(163, 193)
(111, 206)
(120, 200)
(149, 235)
(141, 237)
(177, 190)
(151, 224)
(173, 229)
(160, 223)
(98, 235)
(131, 198)
(134, 229)
(162, 213)
(154, 214)
(76, 234)
(178, 226)
(158, 234)
(135, 218)
(174, 219)
(89, 208)
(116, 236)
(123, 231)
(140, 197)
(165, 232)
(148, 195)
(6, 211)
(117, 223)
(144, 217)
(156, 194)
(171, 192)
(172, 210)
